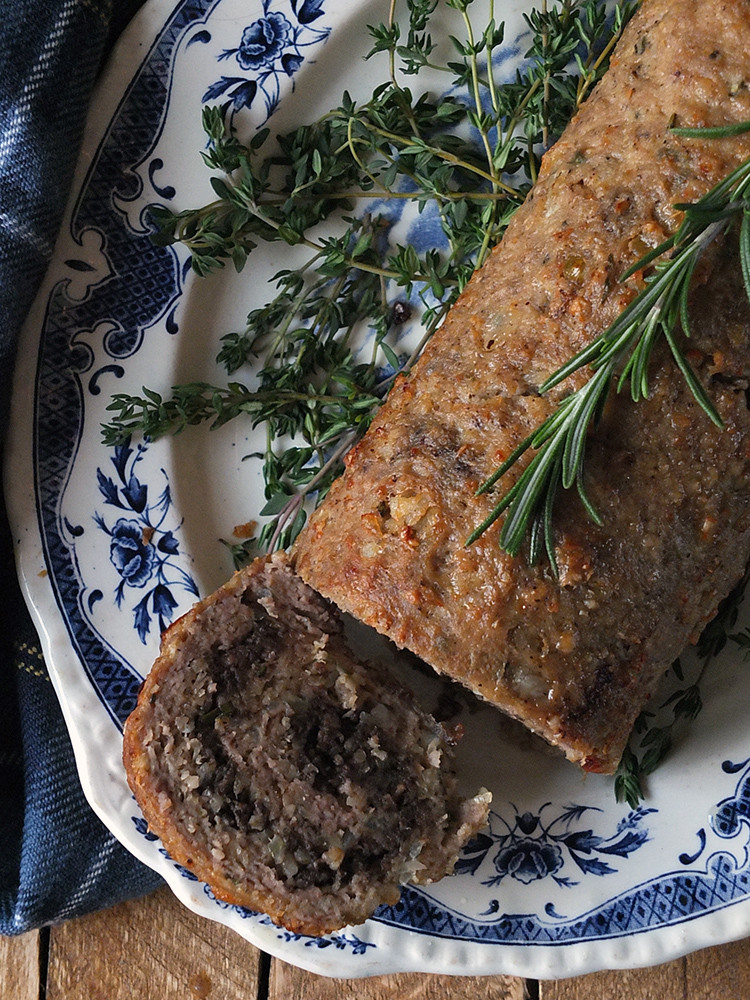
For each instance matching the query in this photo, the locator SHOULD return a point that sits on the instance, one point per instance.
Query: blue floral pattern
(340, 942)
(531, 847)
(271, 48)
(263, 42)
(143, 548)
(703, 866)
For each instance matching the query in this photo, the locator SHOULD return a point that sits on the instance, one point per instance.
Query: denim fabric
(57, 860)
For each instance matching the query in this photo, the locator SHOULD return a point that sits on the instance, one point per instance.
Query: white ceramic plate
(566, 880)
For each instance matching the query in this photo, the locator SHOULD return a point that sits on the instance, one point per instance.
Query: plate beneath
(119, 541)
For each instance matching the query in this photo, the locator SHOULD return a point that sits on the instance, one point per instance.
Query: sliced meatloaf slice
(576, 656)
(282, 772)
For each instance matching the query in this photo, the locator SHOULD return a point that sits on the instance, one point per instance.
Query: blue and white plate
(119, 541)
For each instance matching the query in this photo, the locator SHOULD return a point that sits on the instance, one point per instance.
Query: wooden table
(155, 949)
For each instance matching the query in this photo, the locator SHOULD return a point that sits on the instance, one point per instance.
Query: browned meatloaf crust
(281, 772)
(574, 658)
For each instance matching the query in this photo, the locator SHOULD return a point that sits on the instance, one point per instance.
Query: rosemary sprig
(620, 354)
(470, 154)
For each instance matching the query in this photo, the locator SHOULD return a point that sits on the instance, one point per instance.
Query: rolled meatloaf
(573, 656)
(282, 772)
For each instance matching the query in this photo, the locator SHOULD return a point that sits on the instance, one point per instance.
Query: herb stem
(593, 65)
(414, 143)
(546, 83)
(492, 176)
(296, 501)
(491, 83)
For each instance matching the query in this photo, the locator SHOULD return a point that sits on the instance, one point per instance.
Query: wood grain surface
(155, 949)
(19, 967)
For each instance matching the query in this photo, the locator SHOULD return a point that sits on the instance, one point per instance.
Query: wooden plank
(155, 948)
(664, 982)
(19, 966)
(720, 973)
(289, 983)
(151, 949)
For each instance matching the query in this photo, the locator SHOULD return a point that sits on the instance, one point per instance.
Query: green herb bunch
(468, 150)
(652, 737)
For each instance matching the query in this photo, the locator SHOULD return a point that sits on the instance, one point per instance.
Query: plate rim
(581, 956)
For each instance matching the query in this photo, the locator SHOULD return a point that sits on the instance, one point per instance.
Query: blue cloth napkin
(57, 860)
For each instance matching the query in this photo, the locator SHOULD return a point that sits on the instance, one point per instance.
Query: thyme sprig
(652, 739)
(470, 153)
(619, 355)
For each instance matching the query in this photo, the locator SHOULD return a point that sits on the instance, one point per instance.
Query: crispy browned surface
(574, 658)
(281, 772)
